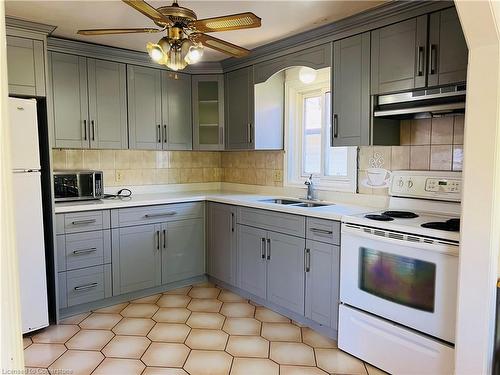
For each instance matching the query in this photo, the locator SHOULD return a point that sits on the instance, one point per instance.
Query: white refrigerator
(25, 158)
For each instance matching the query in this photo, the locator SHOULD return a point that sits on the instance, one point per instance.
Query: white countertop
(332, 212)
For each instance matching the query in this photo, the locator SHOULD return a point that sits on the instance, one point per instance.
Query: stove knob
(410, 184)
(400, 183)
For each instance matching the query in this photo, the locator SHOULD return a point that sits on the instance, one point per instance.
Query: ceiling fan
(185, 34)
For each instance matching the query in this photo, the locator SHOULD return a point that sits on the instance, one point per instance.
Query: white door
(24, 134)
(30, 250)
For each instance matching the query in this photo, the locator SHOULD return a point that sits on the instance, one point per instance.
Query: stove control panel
(445, 186)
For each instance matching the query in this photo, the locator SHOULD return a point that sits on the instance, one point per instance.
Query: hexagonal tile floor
(195, 330)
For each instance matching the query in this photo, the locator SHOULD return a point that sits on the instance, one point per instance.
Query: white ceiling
(279, 18)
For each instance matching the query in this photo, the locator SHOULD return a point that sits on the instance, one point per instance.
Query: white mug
(377, 176)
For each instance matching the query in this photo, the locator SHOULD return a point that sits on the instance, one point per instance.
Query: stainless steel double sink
(294, 202)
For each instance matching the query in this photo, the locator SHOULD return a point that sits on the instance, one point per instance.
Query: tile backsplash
(425, 144)
(134, 167)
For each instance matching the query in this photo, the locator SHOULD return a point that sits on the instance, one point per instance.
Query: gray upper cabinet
(89, 102)
(136, 258)
(176, 111)
(70, 100)
(448, 49)
(239, 107)
(351, 91)
(285, 273)
(144, 108)
(222, 242)
(107, 85)
(26, 66)
(252, 263)
(208, 111)
(183, 250)
(398, 56)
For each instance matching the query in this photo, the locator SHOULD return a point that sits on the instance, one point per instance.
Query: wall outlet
(278, 176)
(118, 176)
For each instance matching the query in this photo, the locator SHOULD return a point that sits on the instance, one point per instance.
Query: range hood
(421, 103)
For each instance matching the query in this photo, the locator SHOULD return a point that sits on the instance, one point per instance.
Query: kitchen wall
(426, 144)
(133, 167)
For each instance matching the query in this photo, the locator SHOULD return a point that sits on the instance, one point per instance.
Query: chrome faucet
(310, 191)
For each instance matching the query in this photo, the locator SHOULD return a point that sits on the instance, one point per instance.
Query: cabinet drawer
(88, 284)
(79, 250)
(323, 230)
(86, 221)
(155, 214)
(274, 221)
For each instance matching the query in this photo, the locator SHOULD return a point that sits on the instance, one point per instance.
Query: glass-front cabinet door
(208, 112)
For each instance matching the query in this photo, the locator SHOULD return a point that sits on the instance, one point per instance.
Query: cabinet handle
(232, 221)
(157, 240)
(164, 239)
(93, 129)
(307, 260)
(86, 221)
(420, 62)
(170, 213)
(268, 249)
(84, 251)
(85, 287)
(433, 58)
(249, 132)
(85, 130)
(263, 248)
(165, 133)
(335, 126)
(158, 132)
(322, 231)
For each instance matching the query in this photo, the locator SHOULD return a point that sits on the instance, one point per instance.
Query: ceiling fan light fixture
(194, 54)
(154, 51)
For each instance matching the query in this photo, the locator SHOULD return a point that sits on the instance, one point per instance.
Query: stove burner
(451, 225)
(401, 214)
(379, 217)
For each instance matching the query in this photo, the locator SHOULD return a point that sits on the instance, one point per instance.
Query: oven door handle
(440, 247)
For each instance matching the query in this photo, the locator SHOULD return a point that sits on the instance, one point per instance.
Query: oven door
(400, 279)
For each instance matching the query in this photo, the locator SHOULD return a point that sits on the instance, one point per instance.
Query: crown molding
(29, 25)
(383, 15)
(99, 51)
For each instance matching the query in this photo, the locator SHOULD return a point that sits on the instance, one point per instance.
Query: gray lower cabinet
(252, 262)
(183, 245)
(322, 283)
(136, 257)
(221, 261)
(285, 271)
(26, 66)
(89, 102)
(239, 107)
(351, 92)
(159, 109)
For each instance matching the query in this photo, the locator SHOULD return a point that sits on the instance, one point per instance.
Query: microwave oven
(78, 185)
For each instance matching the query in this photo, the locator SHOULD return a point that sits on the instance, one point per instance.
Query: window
(308, 126)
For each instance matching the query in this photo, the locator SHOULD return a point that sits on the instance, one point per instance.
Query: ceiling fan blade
(225, 23)
(220, 45)
(118, 31)
(147, 10)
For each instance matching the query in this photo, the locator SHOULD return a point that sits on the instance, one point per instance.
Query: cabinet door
(136, 258)
(285, 272)
(448, 49)
(239, 109)
(144, 107)
(322, 282)
(70, 100)
(107, 104)
(351, 91)
(177, 128)
(399, 55)
(222, 242)
(208, 112)
(183, 250)
(26, 66)
(252, 263)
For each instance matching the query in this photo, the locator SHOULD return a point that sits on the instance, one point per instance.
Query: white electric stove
(398, 277)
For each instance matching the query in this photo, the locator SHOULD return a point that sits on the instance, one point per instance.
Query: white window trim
(294, 93)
